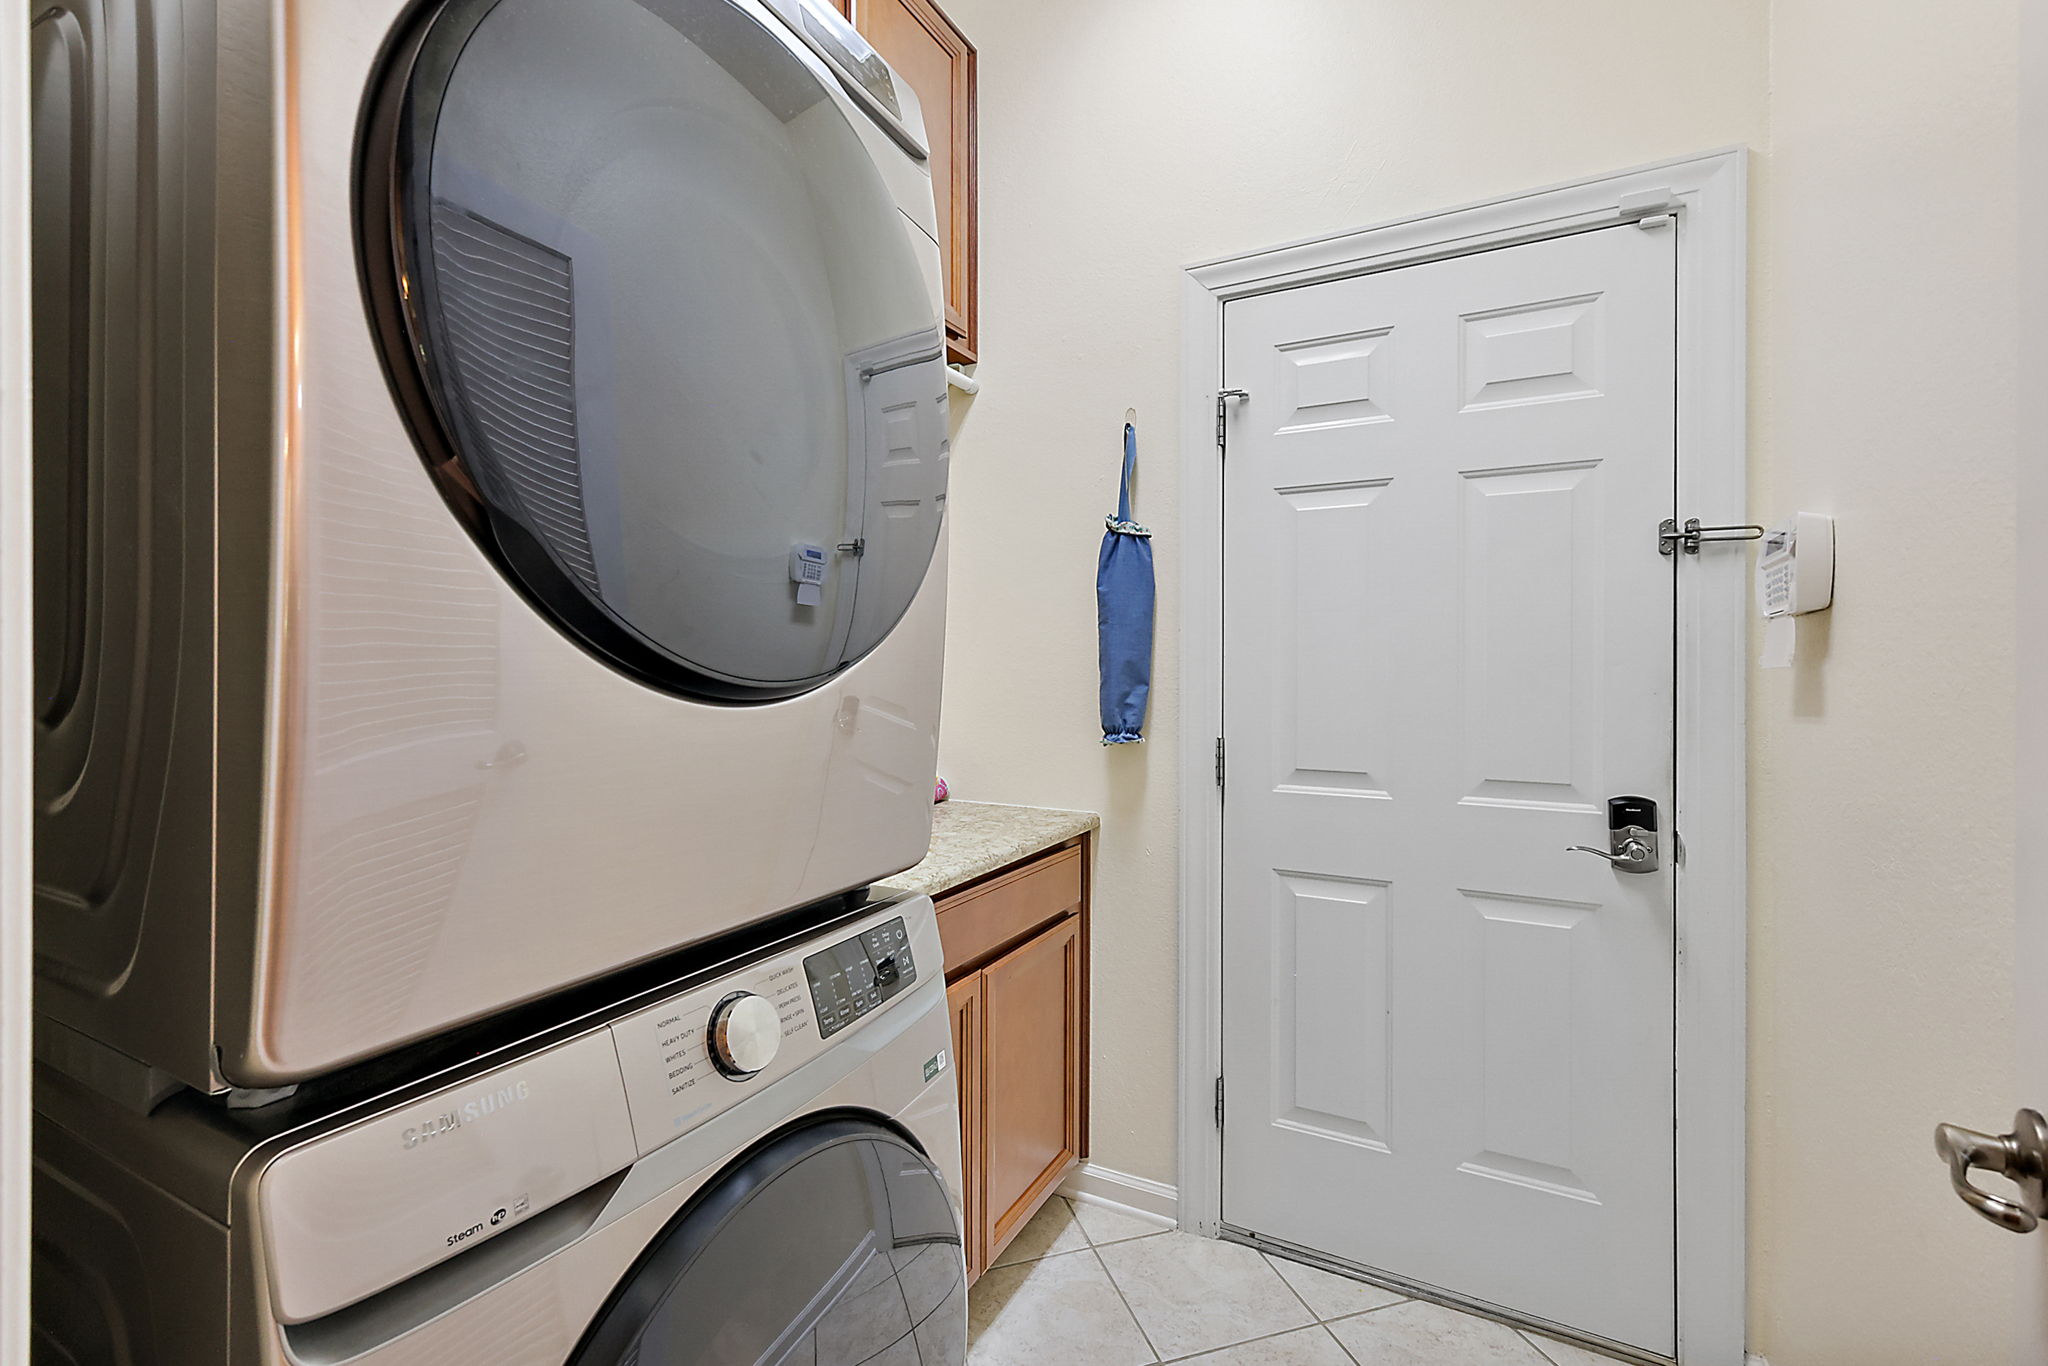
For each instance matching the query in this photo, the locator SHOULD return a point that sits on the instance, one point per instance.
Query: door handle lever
(1629, 855)
(1631, 836)
(2020, 1156)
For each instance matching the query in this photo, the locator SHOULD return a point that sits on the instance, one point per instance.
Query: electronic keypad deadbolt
(1631, 835)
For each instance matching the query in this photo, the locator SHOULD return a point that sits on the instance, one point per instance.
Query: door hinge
(1223, 396)
(1219, 762)
(1219, 1105)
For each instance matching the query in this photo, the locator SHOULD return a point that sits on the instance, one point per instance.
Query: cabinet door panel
(1031, 1093)
(964, 998)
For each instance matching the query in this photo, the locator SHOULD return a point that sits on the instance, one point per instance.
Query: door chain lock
(1671, 537)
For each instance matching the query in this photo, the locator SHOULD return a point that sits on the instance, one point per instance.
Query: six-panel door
(1448, 1040)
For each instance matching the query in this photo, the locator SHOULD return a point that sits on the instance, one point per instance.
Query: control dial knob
(745, 1034)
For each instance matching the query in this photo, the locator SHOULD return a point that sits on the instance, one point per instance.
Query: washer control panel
(856, 975)
(357, 1208)
(700, 1053)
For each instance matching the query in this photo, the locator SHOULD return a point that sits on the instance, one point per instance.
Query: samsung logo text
(470, 1111)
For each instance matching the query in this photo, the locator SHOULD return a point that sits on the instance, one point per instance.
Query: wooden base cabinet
(1031, 1087)
(965, 997)
(1017, 976)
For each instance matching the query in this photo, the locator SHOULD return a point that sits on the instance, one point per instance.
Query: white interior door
(1449, 641)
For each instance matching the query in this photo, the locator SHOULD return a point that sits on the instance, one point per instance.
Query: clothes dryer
(491, 457)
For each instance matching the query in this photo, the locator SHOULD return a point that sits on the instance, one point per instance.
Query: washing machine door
(661, 330)
(831, 1245)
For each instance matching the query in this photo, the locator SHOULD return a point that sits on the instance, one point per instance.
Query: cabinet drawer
(975, 923)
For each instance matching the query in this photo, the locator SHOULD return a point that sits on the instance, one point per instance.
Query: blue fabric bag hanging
(1123, 614)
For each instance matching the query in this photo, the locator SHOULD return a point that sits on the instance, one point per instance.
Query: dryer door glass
(831, 1245)
(662, 330)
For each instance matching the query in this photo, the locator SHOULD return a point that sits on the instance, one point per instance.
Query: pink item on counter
(939, 792)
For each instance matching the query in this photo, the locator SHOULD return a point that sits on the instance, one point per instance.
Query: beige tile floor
(1093, 1287)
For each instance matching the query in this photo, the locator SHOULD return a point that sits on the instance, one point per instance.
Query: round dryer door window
(662, 330)
(831, 1245)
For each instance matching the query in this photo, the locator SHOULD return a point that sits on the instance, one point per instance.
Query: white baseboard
(1134, 1195)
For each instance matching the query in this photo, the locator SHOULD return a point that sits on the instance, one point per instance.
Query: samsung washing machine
(758, 1166)
(490, 464)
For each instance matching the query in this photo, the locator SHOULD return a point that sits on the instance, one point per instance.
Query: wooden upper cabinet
(923, 46)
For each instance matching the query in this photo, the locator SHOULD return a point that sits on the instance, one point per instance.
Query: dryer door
(661, 330)
(830, 1245)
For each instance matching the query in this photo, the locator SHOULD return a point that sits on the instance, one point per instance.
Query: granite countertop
(970, 839)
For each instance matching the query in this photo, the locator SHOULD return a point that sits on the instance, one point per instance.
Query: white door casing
(2030, 908)
(17, 644)
(1448, 641)
(1707, 196)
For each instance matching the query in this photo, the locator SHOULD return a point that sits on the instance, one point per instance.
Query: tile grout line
(1074, 1212)
(1273, 1262)
(1314, 1321)
(1122, 1298)
(1545, 1358)
(1300, 1299)
(1324, 1324)
(1096, 1248)
(1264, 1337)
(1342, 1346)
(1378, 1308)
(1086, 1241)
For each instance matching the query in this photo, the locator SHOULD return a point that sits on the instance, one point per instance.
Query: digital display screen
(856, 975)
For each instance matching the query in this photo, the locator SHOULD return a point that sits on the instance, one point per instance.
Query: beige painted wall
(1121, 141)
(1881, 775)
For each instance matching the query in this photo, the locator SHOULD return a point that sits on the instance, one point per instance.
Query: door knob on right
(2020, 1156)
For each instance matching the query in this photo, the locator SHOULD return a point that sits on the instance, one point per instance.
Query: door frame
(17, 647)
(1708, 194)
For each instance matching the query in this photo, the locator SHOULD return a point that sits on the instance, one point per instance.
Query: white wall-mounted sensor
(1795, 575)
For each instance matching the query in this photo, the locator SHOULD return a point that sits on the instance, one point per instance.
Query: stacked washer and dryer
(491, 464)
